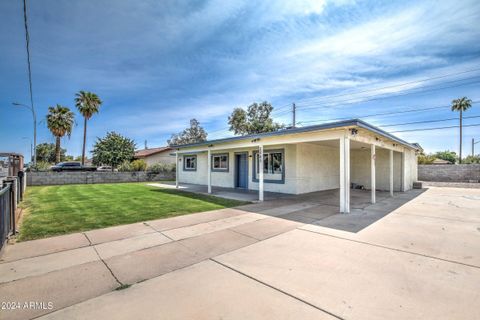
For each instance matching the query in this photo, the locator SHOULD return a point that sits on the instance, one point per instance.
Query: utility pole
(473, 146)
(294, 111)
(146, 145)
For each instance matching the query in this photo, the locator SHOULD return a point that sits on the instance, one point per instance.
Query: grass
(56, 210)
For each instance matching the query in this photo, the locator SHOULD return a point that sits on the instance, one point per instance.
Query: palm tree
(60, 121)
(87, 104)
(461, 105)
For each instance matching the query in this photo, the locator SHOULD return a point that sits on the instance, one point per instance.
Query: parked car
(106, 168)
(71, 166)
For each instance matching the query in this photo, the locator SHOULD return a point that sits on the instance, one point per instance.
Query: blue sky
(156, 64)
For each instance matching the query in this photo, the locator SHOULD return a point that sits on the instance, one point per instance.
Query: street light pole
(31, 147)
(34, 129)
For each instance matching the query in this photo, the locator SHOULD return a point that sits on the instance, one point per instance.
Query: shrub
(471, 159)
(138, 165)
(161, 167)
(125, 166)
(41, 166)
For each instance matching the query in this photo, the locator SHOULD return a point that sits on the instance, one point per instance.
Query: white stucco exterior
(312, 161)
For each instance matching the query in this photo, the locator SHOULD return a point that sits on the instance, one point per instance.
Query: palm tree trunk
(460, 151)
(57, 150)
(84, 140)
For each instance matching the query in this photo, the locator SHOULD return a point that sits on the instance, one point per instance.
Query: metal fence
(7, 211)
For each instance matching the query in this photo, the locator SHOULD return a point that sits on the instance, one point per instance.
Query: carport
(331, 156)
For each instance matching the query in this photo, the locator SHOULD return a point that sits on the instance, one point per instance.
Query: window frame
(194, 156)
(254, 165)
(220, 169)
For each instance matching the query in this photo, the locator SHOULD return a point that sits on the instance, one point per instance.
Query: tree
(461, 105)
(446, 155)
(425, 158)
(60, 121)
(193, 134)
(113, 150)
(46, 152)
(88, 104)
(255, 120)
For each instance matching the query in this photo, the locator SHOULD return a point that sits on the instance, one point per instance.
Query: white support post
(372, 172)
(260, 173)
(391, 173)
(404, 172)
(344, 175)
(209, 171)
(176, 170)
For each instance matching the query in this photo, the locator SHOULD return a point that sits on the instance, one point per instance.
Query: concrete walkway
(416, 255)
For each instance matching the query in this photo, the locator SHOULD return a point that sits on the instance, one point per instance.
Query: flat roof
(330, 125)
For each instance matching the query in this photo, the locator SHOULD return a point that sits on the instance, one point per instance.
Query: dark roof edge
(324, 126)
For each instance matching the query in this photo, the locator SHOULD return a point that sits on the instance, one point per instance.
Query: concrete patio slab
(289, 208)
(266, 228)
(118, 232)
(389, 284)
(39, 265)
(61, 288)
(115, 248)
(192, 219)
(152, 262)
(34, 248)
(204, 291)
(216, 243)
(446, 239)
(203, 228)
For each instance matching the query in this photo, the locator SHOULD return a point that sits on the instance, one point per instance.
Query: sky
(157, 64)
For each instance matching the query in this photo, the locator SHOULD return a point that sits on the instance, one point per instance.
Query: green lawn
(55, 210)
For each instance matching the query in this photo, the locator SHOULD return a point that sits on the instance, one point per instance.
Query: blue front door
(241, 170)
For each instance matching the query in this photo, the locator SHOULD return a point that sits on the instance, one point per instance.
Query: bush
(138, 165)
(126, 166)
(161, 167)
(41, 166)
(471, 159)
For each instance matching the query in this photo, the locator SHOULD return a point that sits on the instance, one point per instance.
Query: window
(190, 163)
(220, 162)
(273, 166)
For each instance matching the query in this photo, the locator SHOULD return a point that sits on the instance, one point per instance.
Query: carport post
(372, 168)
(176, 169)
(260, 173)
(344, 175)
(209, 171)
(391, 173)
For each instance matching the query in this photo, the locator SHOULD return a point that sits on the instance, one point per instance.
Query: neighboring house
(156, 155)
(441, 161)
(302, 160)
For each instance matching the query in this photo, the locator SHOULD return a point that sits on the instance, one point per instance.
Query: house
(441, 161)
(303, 160)
(155, 155)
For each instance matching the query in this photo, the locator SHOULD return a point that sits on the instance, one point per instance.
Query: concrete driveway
(416, 255)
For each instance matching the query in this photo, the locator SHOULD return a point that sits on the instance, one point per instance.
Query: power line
(394, 86)
(426, 121)
(354, 101)
(437, 128)
(382, 114)
(27, 40)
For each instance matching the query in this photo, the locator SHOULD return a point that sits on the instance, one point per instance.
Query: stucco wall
(162, 157)
(360, 171)
(59, 178)
(318, 167)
